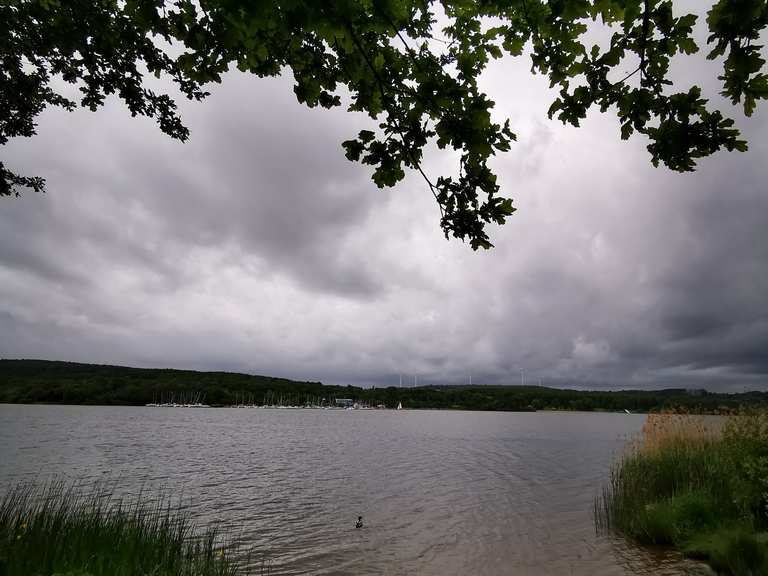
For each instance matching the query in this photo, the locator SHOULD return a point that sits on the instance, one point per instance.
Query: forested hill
(40, 381)
(34, 381)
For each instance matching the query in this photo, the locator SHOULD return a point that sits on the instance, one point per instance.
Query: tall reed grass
(698, 484)
(65, 529)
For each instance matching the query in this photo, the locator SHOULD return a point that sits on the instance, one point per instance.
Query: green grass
(731, 550)
(70, 530)
(705, 494)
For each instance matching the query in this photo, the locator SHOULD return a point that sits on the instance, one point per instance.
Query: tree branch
(644, 38)
(385, 98)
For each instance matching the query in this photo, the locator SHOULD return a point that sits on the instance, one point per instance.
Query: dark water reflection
(441, 492)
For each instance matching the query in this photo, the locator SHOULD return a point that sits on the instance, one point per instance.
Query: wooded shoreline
(54, 382)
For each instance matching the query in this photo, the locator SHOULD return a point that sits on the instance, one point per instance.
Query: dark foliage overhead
(417, 79)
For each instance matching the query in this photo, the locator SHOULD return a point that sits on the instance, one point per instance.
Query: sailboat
(399, 405)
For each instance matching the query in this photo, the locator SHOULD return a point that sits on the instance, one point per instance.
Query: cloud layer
(257, 247)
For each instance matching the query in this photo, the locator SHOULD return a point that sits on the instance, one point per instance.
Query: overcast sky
(258, 247)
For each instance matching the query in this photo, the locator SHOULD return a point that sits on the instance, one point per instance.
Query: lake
(440, 492)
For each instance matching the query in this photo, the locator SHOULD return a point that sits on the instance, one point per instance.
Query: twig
(394, 120)
(644, 39)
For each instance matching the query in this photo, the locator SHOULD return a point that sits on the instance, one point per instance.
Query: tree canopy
(411, 65)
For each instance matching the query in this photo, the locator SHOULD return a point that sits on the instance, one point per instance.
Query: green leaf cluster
(416, 79)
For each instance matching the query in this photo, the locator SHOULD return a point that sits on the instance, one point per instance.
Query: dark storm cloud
(714, 303)
(270, 177)
(257, 247)
(246, 185)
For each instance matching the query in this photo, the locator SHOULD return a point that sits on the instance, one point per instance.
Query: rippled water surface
(441, 493)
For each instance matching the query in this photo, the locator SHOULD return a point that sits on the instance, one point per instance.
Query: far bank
(51, 382)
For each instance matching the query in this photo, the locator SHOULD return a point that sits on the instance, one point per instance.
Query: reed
(698, 485)
(662, 431)
(65, 529)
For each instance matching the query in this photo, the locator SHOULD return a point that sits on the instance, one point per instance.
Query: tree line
(40, 381)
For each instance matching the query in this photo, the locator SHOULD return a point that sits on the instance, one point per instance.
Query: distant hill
(42, 381)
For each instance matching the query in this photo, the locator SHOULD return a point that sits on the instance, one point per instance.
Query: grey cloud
(257, 247)
(280, 190)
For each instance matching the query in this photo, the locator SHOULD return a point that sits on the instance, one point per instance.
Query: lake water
(441, 493)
